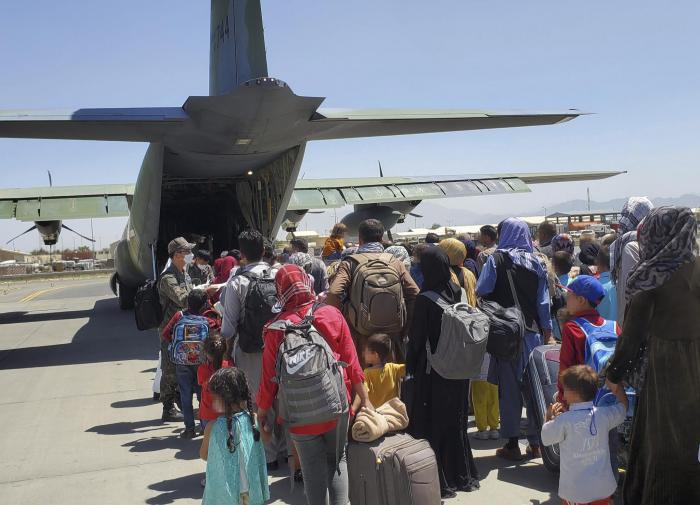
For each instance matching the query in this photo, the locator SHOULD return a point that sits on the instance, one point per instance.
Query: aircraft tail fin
(237, 45)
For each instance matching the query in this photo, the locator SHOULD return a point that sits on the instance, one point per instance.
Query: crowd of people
(640, 283)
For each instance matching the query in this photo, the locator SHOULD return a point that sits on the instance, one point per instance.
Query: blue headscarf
(514, 238)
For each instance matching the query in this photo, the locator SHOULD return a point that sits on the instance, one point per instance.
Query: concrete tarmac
(78, 424)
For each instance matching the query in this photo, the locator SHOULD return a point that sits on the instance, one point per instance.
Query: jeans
(187, 382)
(317, 454)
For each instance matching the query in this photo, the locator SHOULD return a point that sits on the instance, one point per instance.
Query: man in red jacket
(584, 295)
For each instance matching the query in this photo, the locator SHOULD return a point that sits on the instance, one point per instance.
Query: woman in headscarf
(322, 462)
(515, 255)
(457, 252)
(624, 252)
(438, 412)
(663, 322)
(587, 256)
(470, 263)
(400, 253)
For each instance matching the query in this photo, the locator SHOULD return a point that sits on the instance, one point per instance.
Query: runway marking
(36, 294)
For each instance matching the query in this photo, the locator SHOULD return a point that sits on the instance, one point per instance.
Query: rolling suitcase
(394, 470)
(540, 382)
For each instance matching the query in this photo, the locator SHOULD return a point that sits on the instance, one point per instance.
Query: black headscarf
(589, 253)
(435, 266)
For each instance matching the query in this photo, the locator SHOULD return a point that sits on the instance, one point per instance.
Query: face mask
(189, 258)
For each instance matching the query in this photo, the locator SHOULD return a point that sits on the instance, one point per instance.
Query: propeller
(413, 214)
(381, 174)
(23, 233)
(65, 227)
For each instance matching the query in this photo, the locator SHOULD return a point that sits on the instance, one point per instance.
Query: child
(485, 402)
(585, 477)
(197, 305)
(382, 378)
(334, 245)
(607, 308)
(584, 295)
(236, 469)
(563, 262)
(214, 349)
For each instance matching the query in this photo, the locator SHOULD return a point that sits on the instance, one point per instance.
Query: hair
(299, 244)
(608, 239)
(432, 238)
(204, 255)
(269, 251)
(235, 253)
(418, 250)
(603, 258)
(489, 231)
(381, 344)
(547, 229)
(339, 230)
(196, 301)
(581, 379)
(563, 262)
(251, 244)
(231, 386)
(370, 230)
(215, 346)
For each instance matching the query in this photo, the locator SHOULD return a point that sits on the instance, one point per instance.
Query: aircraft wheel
(126, 296)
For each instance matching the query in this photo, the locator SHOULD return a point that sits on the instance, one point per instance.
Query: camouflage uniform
(173, 288)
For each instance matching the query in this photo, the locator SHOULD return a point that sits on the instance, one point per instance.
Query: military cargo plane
(237, 153)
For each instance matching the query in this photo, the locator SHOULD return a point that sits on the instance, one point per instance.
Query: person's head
(302, 260)
(589, 252)
(180, 252)
(400, 253)
(370, 230)
(488, 236)
(231, 394)
(580, 384)
(432, 238)
(564, 243)
(377, 349)
(584, 293)
(214, 349)
(339, 230)
(602, 261)
(514, 234)
(197, 301)
(546, 232)
(252, 245)
(235, 254)
(299, 244)
(562, 262)
(435, 266)
(417, 252)
(269, 256)
(455, 250)
(202, 257)
(608, 239)
(633, 212)
(472, 251)
(294, 288)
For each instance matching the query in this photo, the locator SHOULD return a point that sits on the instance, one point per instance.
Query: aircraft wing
(66, 202)
(346, 123)
(149, 124)
(334, 193)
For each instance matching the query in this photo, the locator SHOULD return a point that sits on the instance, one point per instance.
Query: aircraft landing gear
(126, 295)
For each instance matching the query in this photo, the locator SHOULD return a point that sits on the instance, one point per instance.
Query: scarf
(302, 260)
(666, 242)
(616, 250)
(563, 242)
(294, 288)
(633, 212)
(515, 240)
(400, 253)
(371, 247)
(437, 275)
(456, 251)
(589, 253)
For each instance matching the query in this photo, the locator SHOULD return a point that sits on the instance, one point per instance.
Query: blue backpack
(189, 335)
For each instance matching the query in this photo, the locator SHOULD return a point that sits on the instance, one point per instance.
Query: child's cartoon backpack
(309, 375)
(189, 335)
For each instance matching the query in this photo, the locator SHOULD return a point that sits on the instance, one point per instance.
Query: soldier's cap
(179, 244)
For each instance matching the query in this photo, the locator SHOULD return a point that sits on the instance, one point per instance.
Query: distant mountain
(689, 200)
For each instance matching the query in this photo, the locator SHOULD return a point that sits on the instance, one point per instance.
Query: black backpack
(507, 326)
(147, 309)
(257, 310)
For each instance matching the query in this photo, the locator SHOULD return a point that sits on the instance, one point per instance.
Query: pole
(588, 194)
(92, 236)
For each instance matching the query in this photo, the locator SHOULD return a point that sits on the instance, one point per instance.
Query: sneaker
(188, 434)
(482, 435)
(511, 454)
(494, 435)
(172, 415)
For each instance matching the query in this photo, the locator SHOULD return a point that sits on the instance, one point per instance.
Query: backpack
(310, 378)
(147, 309)
(507, 327)
(464, 331)
(256, 311)
(375, 303)
(189, 335)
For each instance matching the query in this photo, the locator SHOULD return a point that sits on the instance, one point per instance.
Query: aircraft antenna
(381, 174)
(50, 180)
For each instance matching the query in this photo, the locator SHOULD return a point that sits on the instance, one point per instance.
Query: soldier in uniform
(173, 287)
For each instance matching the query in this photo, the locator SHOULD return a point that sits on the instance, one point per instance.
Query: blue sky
(634, 64)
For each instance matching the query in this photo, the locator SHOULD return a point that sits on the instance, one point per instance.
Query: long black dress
(439, 413)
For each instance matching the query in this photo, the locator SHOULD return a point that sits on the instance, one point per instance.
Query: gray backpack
(310, 378)
(464, 331)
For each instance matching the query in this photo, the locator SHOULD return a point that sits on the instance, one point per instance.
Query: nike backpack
(189, 335)
(309, 375)
(260, 297)
(375, 303)
(147, 309)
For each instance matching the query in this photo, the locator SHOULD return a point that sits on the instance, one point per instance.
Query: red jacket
(573, 343)
(331, 324)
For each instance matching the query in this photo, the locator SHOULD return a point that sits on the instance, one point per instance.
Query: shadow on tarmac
(125, 428)
(135, 402)
(109, 335)
(37, 317)
(186, 449)
(171, 490)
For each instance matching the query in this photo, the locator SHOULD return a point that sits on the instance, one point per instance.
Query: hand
(265, 428)
(555, 410)
(213, 289)
(366, 404)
